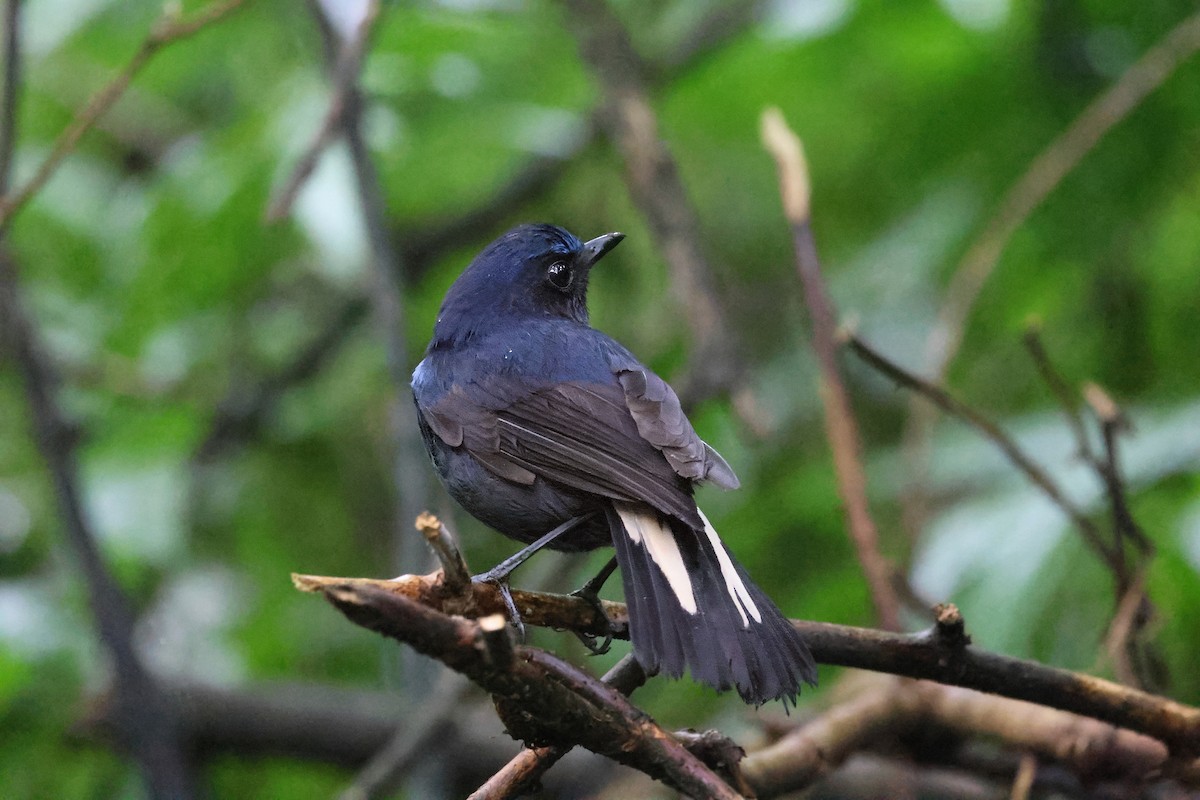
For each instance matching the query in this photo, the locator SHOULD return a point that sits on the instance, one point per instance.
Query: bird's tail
(692, 605)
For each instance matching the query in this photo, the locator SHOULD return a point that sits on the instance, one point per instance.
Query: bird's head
(530, 272)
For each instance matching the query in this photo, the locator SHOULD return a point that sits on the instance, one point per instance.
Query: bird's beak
(594, 250)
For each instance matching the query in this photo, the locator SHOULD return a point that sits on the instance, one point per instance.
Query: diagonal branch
(1044, 174)
(170, 28)
(343, 103)
(840, 425)
(541, 699)
(145, 722)
(1030, 190)
(1011, 450)
(653, 180)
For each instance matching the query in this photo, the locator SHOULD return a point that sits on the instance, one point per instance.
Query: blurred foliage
(159, 289)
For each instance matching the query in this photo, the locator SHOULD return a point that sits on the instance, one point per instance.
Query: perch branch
(540, 698)
(526, 768)
(938, 654)
(840, 425)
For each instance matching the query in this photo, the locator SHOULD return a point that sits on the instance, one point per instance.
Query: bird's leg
(499, 573)
(590, 592)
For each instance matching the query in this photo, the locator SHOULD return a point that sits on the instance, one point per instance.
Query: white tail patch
(645, 527)
(733, 582)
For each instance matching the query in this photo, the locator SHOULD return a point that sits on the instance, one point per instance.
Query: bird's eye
(559, 275)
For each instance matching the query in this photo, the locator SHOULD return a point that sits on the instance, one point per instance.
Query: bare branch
(653, 180)
(1066, 396)
(840, 425)
(145, 724)
(170, 28)
(454, 568)
(1112, 423)
(888, 706)
(1044, 174)
(242, 411)
(1011, 450)
(348, 62)
(526, 769)
(409, 742)
(938, 654)
(1040, 178)
(540, 698)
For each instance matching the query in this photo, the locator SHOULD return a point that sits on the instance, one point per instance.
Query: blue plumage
(531, 417)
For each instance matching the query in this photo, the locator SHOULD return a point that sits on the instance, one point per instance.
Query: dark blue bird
(533, 419)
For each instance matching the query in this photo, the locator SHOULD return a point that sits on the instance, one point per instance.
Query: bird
(553, 433)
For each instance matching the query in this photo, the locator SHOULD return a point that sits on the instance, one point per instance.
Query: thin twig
(840, 425)
(1044, 174)
(169, 28)
(1066, 396)
(990, 430)
(242, 411)
(409, 742)
(344, 78)
(1040, 178)
(1023, 781)
(457, 574)
(652, 177)
(1112, 423)
(1127, 620)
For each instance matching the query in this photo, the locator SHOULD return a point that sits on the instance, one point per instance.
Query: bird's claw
(588, 594)
(510, 606)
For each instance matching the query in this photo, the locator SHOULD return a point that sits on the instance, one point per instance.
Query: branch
(1011, 450)
(1044, 175)
(1041, 177)
(170, 28)
(652, 177)
(840, 425)
(145, 724)
(1066, 396)
(11, 87)
(540, 698)
(1113, 422)
(885, 706)
(409, 741)
(939, 654)
(525, 770)
(242, 411)
(347, 63)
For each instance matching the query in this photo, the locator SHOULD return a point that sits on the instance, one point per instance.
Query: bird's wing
(660, 420)
(578, 434)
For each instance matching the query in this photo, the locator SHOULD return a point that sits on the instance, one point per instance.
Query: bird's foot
(510, 607)
(590, 592)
